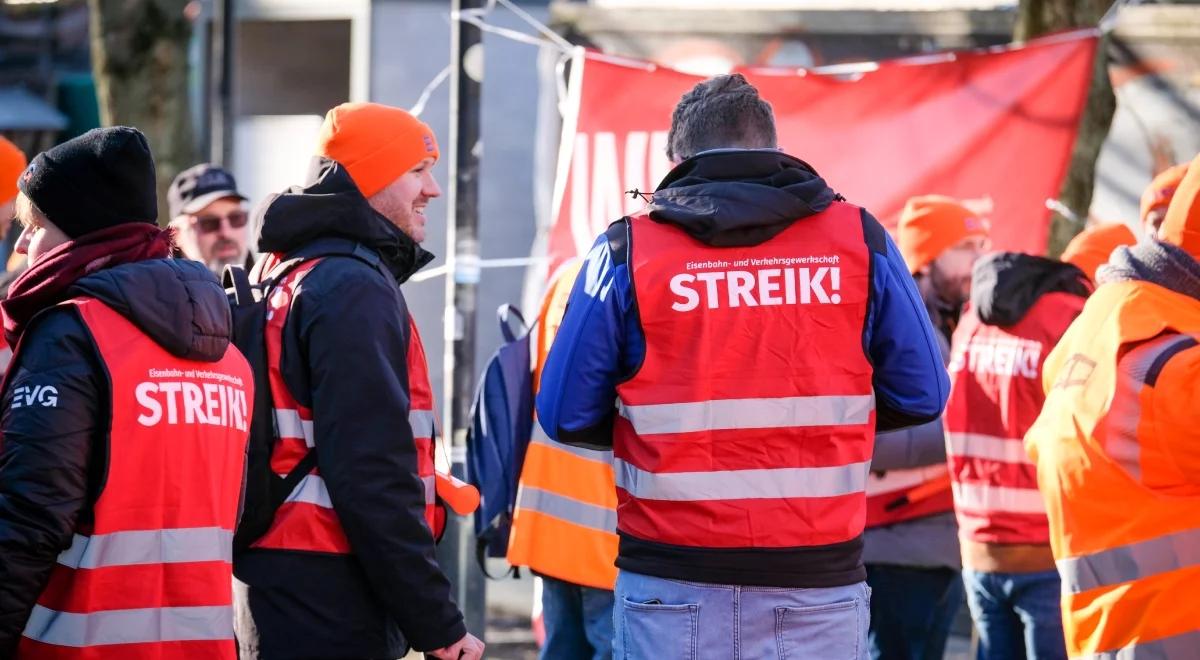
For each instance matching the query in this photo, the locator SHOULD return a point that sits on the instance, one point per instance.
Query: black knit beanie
(100, 179)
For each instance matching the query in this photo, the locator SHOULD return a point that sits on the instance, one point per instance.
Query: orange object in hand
(460, 496)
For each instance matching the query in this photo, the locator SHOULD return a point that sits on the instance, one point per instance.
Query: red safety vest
(750, 421)
(306, 520)
(150, 576)
(996, 394)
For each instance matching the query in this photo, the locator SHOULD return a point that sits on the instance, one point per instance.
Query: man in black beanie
(124, 422)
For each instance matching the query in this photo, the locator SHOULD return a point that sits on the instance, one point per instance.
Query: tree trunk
(140, 61)
(1038, 17)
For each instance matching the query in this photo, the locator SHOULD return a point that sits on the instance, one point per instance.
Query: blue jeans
(659, 619)
(1017, 615)
(578, 621)
(912, 610)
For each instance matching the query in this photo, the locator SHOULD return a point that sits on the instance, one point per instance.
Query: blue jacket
(601, 343)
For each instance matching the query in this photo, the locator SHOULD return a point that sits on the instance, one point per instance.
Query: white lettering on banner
(999, 356)
(45, 396)
(211, 404)
(766, 287)
(598, 179)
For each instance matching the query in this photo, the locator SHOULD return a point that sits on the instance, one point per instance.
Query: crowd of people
(765, 426)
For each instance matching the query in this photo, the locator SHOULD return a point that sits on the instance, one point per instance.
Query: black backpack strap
(618, 241)
(293, 478)
(235, 277)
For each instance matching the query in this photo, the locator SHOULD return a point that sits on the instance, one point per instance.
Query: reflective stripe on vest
(146, 588)
(540, 438)
(798, 411)
(998, 498)
(568, 509)
(814, 482)
(1127, 563)
(307, 520)
(989, 447)
(1124, 517)
(737, 431)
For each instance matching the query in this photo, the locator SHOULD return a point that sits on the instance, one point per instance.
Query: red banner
(996, 126)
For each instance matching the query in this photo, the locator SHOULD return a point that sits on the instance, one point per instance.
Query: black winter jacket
(345, 344)
(53, 459)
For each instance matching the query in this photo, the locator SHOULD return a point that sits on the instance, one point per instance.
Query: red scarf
(46, 282)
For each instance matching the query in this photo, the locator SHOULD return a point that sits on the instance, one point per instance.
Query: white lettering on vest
(999, 356)
(210, 404)
(25, 396)
(754, 288)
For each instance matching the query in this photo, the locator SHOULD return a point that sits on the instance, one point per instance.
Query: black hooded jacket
(53, 459)
(1005, 285)
(345, 346)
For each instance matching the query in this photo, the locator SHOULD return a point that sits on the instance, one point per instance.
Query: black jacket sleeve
(46, 459)
(353, 327)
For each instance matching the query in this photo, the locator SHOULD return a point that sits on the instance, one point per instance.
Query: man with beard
(209, 217)
(911, 543)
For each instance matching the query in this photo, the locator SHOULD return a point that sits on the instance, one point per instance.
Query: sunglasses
(208, 224)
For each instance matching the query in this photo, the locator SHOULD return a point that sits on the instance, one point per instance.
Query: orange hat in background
(1158, 194)
(12, 163)
(375, 143)
(931, 224)
(1182, 224)
(1091, 248)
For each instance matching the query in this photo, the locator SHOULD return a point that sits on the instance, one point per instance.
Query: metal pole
(457, 550)
(220, 129)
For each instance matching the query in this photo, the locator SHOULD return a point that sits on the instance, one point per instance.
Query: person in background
(1020, 306)
(209, 217)
(1117, 449)
(564, 525)
(1157, 197)
(756, 330)
(911, 543)
(1091, 248)
(12, 164)
(348, 568)
(124, 422)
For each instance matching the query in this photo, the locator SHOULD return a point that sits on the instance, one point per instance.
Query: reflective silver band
(721, 414)
(773, 483)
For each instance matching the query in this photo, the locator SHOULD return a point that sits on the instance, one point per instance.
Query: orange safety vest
(1124, 519)
(564, 524)
(306, 521)
(150, 575)
(749, 423)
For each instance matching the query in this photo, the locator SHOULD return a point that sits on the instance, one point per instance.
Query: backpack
(501, 428)
(264, 491)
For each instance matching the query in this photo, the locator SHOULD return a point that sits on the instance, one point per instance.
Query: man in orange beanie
(12, 163)
(1090, 249)
(911, 546)
(1157, 197)
(1116, 448)
(346, 569)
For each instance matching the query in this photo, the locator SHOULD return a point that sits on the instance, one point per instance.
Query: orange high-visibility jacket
(565, 521)
(1117, 449)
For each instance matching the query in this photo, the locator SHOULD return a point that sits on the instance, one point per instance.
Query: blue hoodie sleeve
(911, 383)
(598, 345)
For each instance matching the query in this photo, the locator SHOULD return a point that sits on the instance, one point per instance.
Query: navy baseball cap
(199, 186)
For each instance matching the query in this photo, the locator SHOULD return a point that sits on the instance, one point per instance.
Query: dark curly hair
(721, 112)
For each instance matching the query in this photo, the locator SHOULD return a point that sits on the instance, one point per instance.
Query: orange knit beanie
(1092, 247)
(12, 164)
(931, 224)
(375, 143)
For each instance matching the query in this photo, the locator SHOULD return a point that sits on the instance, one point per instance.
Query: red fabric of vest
(749, 424)
(151, 576)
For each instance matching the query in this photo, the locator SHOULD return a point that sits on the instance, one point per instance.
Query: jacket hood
(330, 205)
(1005, 285)
(176, 302)
(739, 197)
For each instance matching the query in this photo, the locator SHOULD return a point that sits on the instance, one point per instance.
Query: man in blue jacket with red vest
(737, 345)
